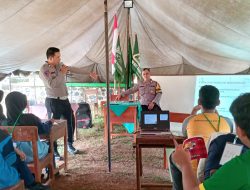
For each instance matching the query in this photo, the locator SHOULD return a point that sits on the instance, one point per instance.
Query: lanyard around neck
(235, 139)
(11, 131)
(211, 124)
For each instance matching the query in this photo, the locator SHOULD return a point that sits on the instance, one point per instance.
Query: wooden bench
(30, 133)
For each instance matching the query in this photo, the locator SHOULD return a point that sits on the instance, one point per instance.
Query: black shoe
(57, 174)
(57, 156)
(38, 186)
(72, 149)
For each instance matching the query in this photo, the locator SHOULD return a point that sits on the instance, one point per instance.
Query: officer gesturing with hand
(53, 73)
(149, 91)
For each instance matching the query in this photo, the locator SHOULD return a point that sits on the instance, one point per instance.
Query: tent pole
(107, 78)
(128, 65)
(115, 87)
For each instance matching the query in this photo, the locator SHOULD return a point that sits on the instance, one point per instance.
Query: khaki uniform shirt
(148, 91)
(54, 80)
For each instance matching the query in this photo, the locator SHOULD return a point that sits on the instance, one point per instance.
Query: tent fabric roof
(175, 37)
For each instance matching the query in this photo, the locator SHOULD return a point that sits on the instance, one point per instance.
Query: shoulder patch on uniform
(158, 88)
(46, 73)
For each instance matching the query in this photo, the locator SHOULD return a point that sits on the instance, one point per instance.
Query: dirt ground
(89, 169)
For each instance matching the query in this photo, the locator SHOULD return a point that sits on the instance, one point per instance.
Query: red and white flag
(114, 44)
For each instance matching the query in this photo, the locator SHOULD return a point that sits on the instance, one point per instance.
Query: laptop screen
(150, 119)
(155, 120)
(163, 117)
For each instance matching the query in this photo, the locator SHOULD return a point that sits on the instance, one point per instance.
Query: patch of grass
(90, 132)
(114, 157)
(128, 142)
(153, 177)
(98, 121)
(119, 129)
(117, 157)
(95, 131)
(158, 178)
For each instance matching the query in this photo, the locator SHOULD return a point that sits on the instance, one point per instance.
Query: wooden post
(107, 79)
(128, 65)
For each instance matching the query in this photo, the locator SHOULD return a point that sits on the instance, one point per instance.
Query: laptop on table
(154, 122)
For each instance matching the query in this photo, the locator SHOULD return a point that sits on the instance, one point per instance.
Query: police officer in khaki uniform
(53, 74)
(149, 91)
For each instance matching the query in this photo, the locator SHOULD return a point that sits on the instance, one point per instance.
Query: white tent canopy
(175, 36)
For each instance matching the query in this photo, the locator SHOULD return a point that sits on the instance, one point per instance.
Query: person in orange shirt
(203, 124)
(208, 121)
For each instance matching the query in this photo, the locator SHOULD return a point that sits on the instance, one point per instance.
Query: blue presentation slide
(150, 119)
(163, 117)
(230, 87)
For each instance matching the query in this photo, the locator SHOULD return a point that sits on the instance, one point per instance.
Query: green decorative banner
(79, 84)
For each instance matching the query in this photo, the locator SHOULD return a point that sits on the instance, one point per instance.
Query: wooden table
(151, 141)
(128, 116)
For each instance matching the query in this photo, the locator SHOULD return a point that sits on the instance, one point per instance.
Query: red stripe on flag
(114, 43)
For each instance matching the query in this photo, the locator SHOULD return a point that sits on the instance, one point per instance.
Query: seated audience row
(16, 103)
(203, 125)
(13, 168)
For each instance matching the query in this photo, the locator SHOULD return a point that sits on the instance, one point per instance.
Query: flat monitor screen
(150, 119)
(163, 117)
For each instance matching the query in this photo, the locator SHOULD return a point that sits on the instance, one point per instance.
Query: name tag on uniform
(230, 151)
